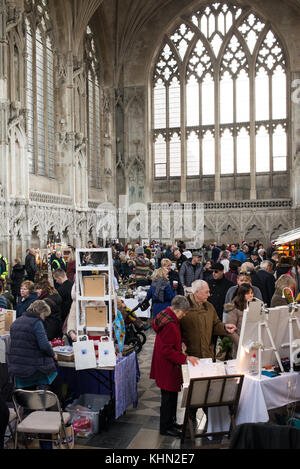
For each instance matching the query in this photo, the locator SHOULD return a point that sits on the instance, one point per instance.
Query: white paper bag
(106, 352)
(84, 354)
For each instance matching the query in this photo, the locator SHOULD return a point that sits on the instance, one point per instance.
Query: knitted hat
(139, 250)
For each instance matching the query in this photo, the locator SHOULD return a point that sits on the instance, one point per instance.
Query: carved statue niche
(81, 178)
(136, 183)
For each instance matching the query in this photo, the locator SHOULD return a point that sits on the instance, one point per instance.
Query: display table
(132, 303)
(120, 382)
(257, 397)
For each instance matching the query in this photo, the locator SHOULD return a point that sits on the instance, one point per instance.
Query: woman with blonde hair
(284, 291)
(160, 291)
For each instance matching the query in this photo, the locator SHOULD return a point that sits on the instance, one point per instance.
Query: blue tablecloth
(126, 383)
(123, 382)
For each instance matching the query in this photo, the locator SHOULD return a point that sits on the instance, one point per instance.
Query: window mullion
(200, 132)
(168, 135)
(46, 162)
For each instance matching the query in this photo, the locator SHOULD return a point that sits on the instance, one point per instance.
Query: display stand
(255, 332)
(102, 265)
(293, 344)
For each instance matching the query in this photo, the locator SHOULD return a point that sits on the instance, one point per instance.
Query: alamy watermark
(153, 221)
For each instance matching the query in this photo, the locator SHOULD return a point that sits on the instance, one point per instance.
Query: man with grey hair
(199, 326)
(202, 322)
(266, 276)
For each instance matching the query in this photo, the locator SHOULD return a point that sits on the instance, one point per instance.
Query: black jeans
(168, 409)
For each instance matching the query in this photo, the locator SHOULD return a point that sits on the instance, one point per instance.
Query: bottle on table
(253, 367)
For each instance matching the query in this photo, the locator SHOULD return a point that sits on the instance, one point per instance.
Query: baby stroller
(134, 328)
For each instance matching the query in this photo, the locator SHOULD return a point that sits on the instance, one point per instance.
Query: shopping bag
(106, 352)
(84, 354)
(56, 444)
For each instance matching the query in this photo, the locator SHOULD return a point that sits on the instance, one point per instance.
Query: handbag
(106, 353)
(84, 354)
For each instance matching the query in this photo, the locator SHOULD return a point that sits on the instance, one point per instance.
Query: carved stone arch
(209, 233)
(227, 222)
(254, 232)
(277, 231)
(229, 234)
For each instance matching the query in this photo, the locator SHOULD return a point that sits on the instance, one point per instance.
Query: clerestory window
(220, 95)
(40, 89)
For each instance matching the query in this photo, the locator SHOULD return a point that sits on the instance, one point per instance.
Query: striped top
(142, 268)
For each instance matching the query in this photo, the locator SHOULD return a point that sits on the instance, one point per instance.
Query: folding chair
(214, 391)
(40, 421)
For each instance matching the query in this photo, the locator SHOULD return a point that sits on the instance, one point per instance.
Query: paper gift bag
(84, 354)
(106, 352)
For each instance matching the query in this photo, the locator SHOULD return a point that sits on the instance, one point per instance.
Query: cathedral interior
(95, 107)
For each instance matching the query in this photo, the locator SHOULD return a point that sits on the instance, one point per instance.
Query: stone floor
(139, 428)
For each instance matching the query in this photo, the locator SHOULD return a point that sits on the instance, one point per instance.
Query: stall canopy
(289, 243)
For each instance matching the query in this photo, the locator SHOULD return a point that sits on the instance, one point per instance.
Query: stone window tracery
(94, 111)
(209, 68)
(40, 89)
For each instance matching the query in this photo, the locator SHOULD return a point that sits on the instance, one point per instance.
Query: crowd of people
(197, 296)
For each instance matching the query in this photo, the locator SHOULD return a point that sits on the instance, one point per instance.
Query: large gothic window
(219, 95)
(94, 111)
(40, 89)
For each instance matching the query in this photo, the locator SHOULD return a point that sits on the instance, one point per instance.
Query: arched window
(94, 111)
(40, 90)
(219, 95)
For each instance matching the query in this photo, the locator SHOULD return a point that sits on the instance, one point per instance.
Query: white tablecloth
(257, 397)
(132, 302)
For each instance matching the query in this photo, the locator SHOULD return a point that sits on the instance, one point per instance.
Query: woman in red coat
(167, 360)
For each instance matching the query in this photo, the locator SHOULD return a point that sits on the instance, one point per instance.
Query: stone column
(3, 98)
(294, 144)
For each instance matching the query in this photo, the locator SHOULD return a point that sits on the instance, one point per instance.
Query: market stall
(288, 244)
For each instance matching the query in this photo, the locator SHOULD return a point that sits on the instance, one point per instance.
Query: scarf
(160, 285)
(162, 319)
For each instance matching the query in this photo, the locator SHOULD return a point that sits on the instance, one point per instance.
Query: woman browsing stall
(235, 312)
(167, 360)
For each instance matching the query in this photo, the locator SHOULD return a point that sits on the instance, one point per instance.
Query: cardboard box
(94, 285)
(10, 316)
(96, 316)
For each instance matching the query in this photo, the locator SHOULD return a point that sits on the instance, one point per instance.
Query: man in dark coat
(17, 277)
(218, 286)
(255, 279)
(191, 270)
(215, 252)
(31, 265)
(64, 289)
(266, 276)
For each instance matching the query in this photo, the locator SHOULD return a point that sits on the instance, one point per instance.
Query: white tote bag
(84, 354)
(106, 352)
